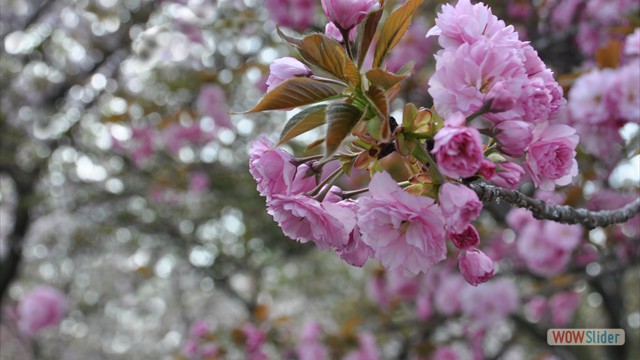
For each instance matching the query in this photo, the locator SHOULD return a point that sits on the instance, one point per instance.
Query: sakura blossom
(285, 68)
(40, 308)
(405, 231)
(346, 14)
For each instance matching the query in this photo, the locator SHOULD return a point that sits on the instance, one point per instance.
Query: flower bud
(476, 267)
(467, 239)
(284, 69)
(346, 14)
(333, 32)
(513, 137)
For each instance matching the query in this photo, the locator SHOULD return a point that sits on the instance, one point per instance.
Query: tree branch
(559, 213)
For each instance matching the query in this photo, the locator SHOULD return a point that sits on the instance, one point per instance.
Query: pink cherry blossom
(295, 14)
(445, 353)
(589, 100)
(346, 14)
(355, 252)
(212, 102)
(458, 151)
(466, 239)
(273, 171)
(199, 329)
(424, 307)
(467, 23)
(508, 175)
(487, 169)
(310, 346)
(632, 44)
(563, 305)
(177, 136)
(285, 68)
(447, 297)
(305, 219)
(500, 97)
(490, 303)
(405, 231)
(333, 32)
(546, 246)
(255, 339)
(536, 307)
(513, 137)
(367, 349)
(465, 76)
(550, 159)
(627, 102)
(459, 205)
(42, 307)
(198, 182)
(475, 266)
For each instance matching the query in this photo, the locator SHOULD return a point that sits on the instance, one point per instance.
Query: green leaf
(295, 92)
(295, 42)
(410, 113)
(328, 55)
(383, 78)
(367, 32)
(341, 118)
(394, 29)
(300, 123)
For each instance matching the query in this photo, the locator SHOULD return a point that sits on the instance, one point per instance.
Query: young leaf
(295, 92)
(383, 78)
(295, 42)
(368, 31)
(394, 29)
(341, 118)
(380, 104)
(302, 122)
(328, 55)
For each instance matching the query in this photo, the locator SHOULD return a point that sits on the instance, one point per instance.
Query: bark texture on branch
(558, 213)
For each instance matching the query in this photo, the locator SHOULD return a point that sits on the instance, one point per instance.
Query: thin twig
(558, 213)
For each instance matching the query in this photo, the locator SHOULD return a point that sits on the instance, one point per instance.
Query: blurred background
(124, 185)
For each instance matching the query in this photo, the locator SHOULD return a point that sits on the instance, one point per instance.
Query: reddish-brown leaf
(296, 92)
(394, 29)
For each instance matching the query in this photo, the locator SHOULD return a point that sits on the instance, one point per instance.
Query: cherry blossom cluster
(502, 109)
(602, 101)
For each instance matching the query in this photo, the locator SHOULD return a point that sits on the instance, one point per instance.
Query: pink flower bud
(475, 266)
(508, 175)
(284, 69)
(467, 239)
(333, 32)
(487, 169)
(44, 306)
(346, 14)
(513, 137)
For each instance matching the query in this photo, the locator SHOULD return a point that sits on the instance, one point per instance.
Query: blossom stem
(434, 169)
(304, 160)
(329, 179)
(352, 193)
(347, 43)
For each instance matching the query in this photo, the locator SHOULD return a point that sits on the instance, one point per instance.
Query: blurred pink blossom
(563, 305)
(490, 303)
(42, 307)
(295, 14)
(367, 348)
(212, 101)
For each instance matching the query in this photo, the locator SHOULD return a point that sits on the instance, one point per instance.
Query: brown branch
(558, 213)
